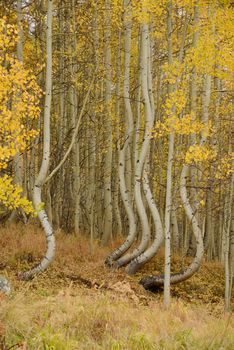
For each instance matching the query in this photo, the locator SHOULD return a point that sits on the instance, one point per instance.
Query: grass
(77, 319)
(58, 311)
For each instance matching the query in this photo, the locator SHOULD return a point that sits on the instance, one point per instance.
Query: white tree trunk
(168, 205)
(118, 220)
(107, 225)
(140, 260)
(152, 281)
(123, 156)
(158, 227)
(37, 200)
(228, 252)
(143, 152)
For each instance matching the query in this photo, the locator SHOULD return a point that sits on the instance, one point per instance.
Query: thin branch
(74, 135)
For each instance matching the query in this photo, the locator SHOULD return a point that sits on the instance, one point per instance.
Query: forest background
(117, 126)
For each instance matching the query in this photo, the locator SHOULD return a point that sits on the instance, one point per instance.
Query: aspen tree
(143, 151)
(140, 260)
(193, 107)
(40, 180)
(166, 279)
(226, 238)
(74, 113)
(107, 223)
(168, 204)
(116, 207)
(114, 124)
(127, 143)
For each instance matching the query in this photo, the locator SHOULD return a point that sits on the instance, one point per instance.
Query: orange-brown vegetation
(78, 263)
(78, 303)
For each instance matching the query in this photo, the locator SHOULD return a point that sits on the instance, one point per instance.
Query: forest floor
(78, 303)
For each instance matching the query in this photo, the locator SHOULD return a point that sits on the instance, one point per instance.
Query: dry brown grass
(58, 310)
(76, 319)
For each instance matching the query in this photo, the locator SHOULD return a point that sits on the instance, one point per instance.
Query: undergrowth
(80, 304)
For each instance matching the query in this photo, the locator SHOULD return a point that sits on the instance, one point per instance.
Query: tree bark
(40, 180)
(123, 156)
(107, 225)
(143, 152)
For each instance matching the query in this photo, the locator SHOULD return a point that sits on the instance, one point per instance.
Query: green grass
(90, 320)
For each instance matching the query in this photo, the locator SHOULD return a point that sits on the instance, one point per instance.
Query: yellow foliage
(173, 71)
(199, 153)
(225, 166)
(19, 101)
(186, 125)
(143, 10)
(10, 195)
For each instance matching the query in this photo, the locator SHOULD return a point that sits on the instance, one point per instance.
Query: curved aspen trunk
(143, 153)
(139, 261)
(130, 213)
(124, 189)
(49, 255)
(150, 282)
(167, 278)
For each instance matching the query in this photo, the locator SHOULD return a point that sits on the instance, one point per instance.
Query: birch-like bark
(209, 241)
(118, 220)
(61, 123)
(74, 113)
(175, 229)
(40, 180)
(149, 282)
(205, 120)
(143, 152)
(107, 225)
(193, 103)
(140, 260)
(205, 107)
(228, 238)
(123, 156)
(136, 135)
(168, 205)
(97, 207)
(174, 222)
(93, 137)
